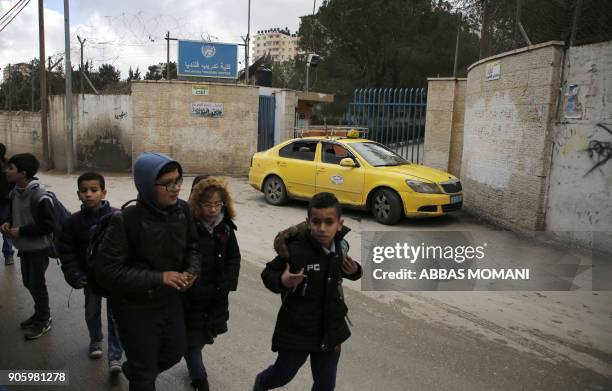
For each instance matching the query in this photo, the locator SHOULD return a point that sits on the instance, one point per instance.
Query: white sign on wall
(199, 90)
(493, 71)
(207, 109)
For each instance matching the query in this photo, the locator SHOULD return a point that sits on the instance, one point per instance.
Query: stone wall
(163, 122)
(102, 131)
(580, 196)
(444, 124)
(508, 135)
(20, 132)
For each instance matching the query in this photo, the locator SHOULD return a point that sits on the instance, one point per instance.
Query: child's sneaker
(114, 366)
(37, 329)
(28, 322)
(95, 350)
(9, 260)
(200, 384)
(258, 386)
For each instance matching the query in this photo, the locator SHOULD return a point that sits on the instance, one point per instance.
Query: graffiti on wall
(122, 115)
(599, 151)
(105, 151)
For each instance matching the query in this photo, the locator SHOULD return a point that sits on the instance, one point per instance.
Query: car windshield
(378, 155)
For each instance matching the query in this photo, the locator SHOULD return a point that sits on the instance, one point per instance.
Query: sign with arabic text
(207, 59)
(206, 109)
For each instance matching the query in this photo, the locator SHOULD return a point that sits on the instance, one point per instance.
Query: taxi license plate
(456, 199)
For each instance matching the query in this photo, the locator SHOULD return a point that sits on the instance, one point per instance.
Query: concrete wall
(508, 134)
(444, 124)
(162, 122)
(102, 131)
(580, 197)
(21, 132)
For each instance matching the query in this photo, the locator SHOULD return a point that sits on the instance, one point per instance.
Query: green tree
(379, 44)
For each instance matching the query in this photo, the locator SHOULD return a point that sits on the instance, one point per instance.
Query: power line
(18, 12)
(12, 8)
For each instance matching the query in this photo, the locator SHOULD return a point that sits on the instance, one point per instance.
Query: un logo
(208, 51)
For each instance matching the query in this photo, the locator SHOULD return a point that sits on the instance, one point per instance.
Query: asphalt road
(399, 342)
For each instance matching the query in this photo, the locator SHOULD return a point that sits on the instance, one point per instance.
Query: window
(302, 150)
(333, 153)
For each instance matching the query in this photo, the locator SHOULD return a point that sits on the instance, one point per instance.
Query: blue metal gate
(395, 117)
(265, 126)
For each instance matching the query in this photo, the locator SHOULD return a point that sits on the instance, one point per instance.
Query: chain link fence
(512, 24)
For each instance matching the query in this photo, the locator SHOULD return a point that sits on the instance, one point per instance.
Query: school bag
(60, 215)
(96, 235)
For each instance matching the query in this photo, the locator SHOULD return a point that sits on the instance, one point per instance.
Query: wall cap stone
(516, 51)
(447, 79)
(193, 82)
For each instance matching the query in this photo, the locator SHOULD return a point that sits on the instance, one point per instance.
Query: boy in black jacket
(72, 248)
(149, 255)
(30, 224)
(311, 320)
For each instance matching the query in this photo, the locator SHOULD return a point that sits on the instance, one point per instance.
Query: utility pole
(50, 69)
(10, 78)
(168, 39)
(10, 122)
(248, 46)
(457, 46)
(50, 76)
(43, 85)
(82, 67)
(168, 56)
(69, 132)
(32, 82)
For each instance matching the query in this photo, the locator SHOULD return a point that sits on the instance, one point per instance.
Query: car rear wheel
(387, 207)
(275, 191)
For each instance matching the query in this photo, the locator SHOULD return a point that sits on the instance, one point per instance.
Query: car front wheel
(275, 191)
(387, 207)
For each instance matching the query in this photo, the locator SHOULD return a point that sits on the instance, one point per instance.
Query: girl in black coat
(206, 303)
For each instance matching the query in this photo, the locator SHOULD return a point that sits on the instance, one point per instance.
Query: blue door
(265, 126)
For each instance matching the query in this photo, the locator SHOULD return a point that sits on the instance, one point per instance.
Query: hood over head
(146, 169)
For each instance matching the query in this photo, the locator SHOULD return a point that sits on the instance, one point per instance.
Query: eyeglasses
(211, 205)
(174, 185)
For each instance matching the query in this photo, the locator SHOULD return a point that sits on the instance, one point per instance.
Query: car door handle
(282, 164)
(321, 169)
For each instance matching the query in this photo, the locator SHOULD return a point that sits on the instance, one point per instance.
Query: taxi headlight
(423, 187)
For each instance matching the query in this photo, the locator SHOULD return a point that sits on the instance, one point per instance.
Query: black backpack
(96, 235)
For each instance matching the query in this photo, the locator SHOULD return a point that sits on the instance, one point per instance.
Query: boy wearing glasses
(149, 255)
(206, 302)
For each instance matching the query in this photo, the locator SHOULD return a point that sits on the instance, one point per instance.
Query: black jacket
(74, 239)
(140, 244)
(206, 303)
(312, 318)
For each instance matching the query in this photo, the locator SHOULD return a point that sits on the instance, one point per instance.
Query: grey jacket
(35, 226)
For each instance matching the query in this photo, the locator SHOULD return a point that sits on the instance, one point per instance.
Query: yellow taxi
(361, 173)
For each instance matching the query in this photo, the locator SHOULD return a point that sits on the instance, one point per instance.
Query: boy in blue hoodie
(72, 248)
(31, 224)
(149, 255)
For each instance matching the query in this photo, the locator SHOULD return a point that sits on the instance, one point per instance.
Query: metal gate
(395, 117)
(265, 125)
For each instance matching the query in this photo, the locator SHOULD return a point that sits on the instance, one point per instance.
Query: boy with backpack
(149, 255)
(31, 224)
(77, 263)
(311, 320)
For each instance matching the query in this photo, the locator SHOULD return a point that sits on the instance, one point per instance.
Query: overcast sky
(130, 33)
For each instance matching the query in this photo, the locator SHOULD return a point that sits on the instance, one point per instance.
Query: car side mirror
(348, 162)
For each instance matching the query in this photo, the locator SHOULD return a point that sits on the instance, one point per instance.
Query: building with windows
(279, 43)
(24, 68)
